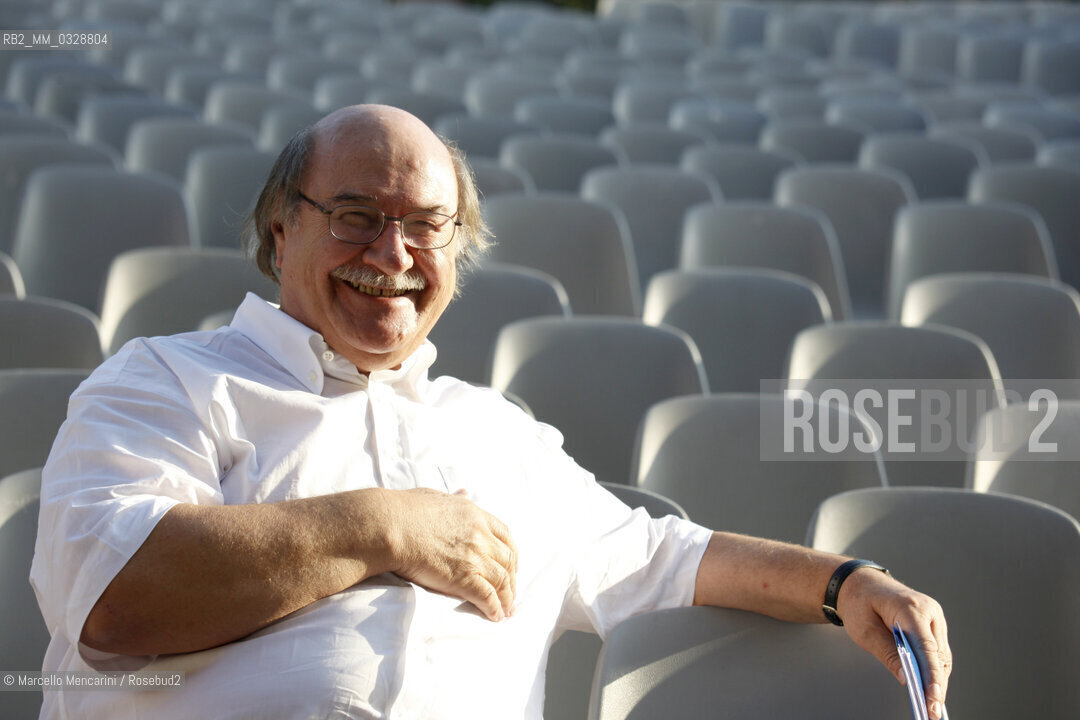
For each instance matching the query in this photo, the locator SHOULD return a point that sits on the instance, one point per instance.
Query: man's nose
(389, 252)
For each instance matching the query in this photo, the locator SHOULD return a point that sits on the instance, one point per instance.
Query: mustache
(365, 275)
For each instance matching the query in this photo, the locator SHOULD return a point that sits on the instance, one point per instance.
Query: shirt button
(328, 356)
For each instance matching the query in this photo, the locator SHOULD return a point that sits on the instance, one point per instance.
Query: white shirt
(264, 411)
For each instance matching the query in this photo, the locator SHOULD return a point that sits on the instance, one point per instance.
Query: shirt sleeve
(626, 562)
(131, 448)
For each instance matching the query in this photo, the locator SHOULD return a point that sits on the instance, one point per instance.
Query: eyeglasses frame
(386, 218)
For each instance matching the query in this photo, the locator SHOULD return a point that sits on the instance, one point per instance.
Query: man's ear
(277, 229)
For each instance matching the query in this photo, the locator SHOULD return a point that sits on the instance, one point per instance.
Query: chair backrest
(758, 234)
(721, 121)
(15, 124)
(494, 94)
(743, 172)
(429, 107)
(642, 102)
(956, 236)
(165, 144)
(1050, 65)
(33, 409)
(861, 204)
(979, 555)
(989, 57)
(108, 119)
(298, 73)
(566, 115)
(1030, 324)
(1051, 192)
(556, 163)
(23, 635)
(876, 116)
(1048, 123)
(481, 136)
(593, 379)
(492, 296)
(241, 103)
(654, 199)
(646, 144)
(280, 122)
(742, 319)
(1061, 153)
(161, 291)
(495, 179)
(148, 66)
(40, 332)
(875, 42)
(791, 104)
(222, 185)
(1029, 449)
(725, 458)
(936, 168)
(696, 662)
(585, 245)
(11, 281)
(923, 389)
(1001, 144)
(75, 220)
(815, 141)
(22, 155)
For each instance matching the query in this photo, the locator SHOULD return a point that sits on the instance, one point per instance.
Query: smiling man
(290, 512)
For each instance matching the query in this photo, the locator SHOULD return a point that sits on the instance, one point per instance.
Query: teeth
(378, 292)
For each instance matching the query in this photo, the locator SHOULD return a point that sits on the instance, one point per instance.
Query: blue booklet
(913, 677)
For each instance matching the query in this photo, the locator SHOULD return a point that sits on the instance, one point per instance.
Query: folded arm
(209, 574)
(788, 582)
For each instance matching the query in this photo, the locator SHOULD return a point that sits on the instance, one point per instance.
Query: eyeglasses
(362, 225)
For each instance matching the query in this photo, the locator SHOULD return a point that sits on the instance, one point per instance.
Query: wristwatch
(837, 579)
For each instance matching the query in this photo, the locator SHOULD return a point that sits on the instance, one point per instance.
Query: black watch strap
(837, 579)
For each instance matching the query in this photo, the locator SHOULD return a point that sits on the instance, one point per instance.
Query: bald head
(380, 136)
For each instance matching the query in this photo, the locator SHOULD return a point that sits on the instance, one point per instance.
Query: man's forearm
(778, 579)
(207, 575)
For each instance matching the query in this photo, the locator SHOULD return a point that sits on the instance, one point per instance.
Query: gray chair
(647, 102)
(743, 172)
(922, 388)
(656, 145)
(721, 121)
(494, 94)
(34, 406)
(492, 296)
(874, 42)
(495, 179)
(697, 662)
(61, 95)
(11, 281)
(585, 245)
(1049, 191)
(298, 72)
(758, 234)
(861, 204)
(654, 199)
(240, 103)
(162, 291)
(148, 66)
(566, 115)
(936, 168)
(815, 141)
(190, 86)
(876, 116)
(724, 457)
(1048, 123)
(989, 57)
(572, 658)
(594, 378)
(280, 122)
(108, 120)
(40, 332)
(1062, 153)
(222, 185)
(1029, 450)
(956, 236)
(791, 32)
(556, 163)
(481, 136)
(979, 555)
(166, 144)
(1050, 65)
(23, 635)
(741, 319)
(429, 107)
(1002, 145)
(792, 104)
(1030, 324)
(20, 156)
(76, 219)
(944, 107)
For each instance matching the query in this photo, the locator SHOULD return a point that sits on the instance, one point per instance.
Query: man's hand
(446, 543)
(870, 603)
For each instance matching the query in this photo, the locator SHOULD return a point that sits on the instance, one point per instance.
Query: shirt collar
(305, 355)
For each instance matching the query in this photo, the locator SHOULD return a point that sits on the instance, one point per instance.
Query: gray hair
(280, 198)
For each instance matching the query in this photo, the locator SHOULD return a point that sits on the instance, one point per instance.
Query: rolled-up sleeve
(131, 449)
